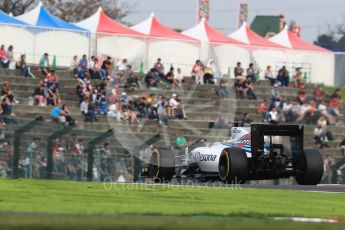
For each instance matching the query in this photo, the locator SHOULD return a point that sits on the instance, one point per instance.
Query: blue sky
(313, 16)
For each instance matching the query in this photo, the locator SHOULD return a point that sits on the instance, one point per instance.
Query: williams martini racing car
(249, 153)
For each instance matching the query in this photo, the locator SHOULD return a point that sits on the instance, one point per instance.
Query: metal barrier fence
(46, 150)
(72, 149)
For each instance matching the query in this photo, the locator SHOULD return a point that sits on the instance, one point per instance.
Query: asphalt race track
(336, 188)
(327, 188)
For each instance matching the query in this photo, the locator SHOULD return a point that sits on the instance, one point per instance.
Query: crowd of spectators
(70, 160)
(119, 79)
(95, 76)
(319, 109)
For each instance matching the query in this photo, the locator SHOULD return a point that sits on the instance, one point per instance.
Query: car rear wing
(260, 130)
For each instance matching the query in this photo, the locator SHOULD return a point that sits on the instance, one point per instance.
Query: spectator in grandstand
(298, 80)
(335, 103)
(275, 95)
(251, 73)
(240, 87)
(250, 90)
(81, 90)
(263, 110)
(178, 79)
(40, 94)
(303, 112)
(74, 65)
(104, 84)
(181, 141)
(106, 67)
(173, 105)
(114, 111)
(95, 69)
(283, 77)
(34, 146)
(301, 97)
(10, 57)
(274, 116)
(6, 111)
(53, 95)
(269, 75)
(209, 72)
(318, 94)
(87, 109)
(69, 121)
(124, 98)
(142, 108)
(132, 81)
(220, 123)
(120, 80)
(151, 79)
(324, 111)
(180, 112)
(22, 66)
(169, 77)
(245, 120)
(159, 67)
(161, 111)
(52, 78)
(238, 71)
(44, 64)
(83, 66)
(198, 72)
(322, 108)
(122, 65)
(320, 137)
(223, 89)
(57, 114)
(7, 92)
(287, 111)
(3, 58)
(83, 63)
(295, 108)
(129, 113)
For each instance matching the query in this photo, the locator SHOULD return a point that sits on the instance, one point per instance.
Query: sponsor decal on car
(205, 157)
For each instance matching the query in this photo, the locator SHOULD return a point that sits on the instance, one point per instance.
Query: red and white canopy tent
(102, 23)
(246, 35)
(263, 51)
(125, 42)
(218, 46)
(321, 60)
(289, 40)
(153, 28)
(169, 45)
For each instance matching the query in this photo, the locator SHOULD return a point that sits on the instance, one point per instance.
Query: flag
(229, 73)
(54, 63)
(141, 71)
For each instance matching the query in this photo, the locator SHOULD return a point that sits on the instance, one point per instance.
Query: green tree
(335, 37)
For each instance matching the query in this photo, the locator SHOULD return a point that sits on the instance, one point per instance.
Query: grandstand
(201, 104)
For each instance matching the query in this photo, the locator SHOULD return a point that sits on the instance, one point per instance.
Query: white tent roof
(247, 36)
(205, 33)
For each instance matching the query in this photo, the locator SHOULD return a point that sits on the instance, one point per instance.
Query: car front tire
(162, 165)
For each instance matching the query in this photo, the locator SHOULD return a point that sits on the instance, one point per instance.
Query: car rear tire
(162, 165)
(310, 165)
(233, 166)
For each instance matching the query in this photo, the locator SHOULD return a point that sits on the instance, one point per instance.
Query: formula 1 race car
(249, 153)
